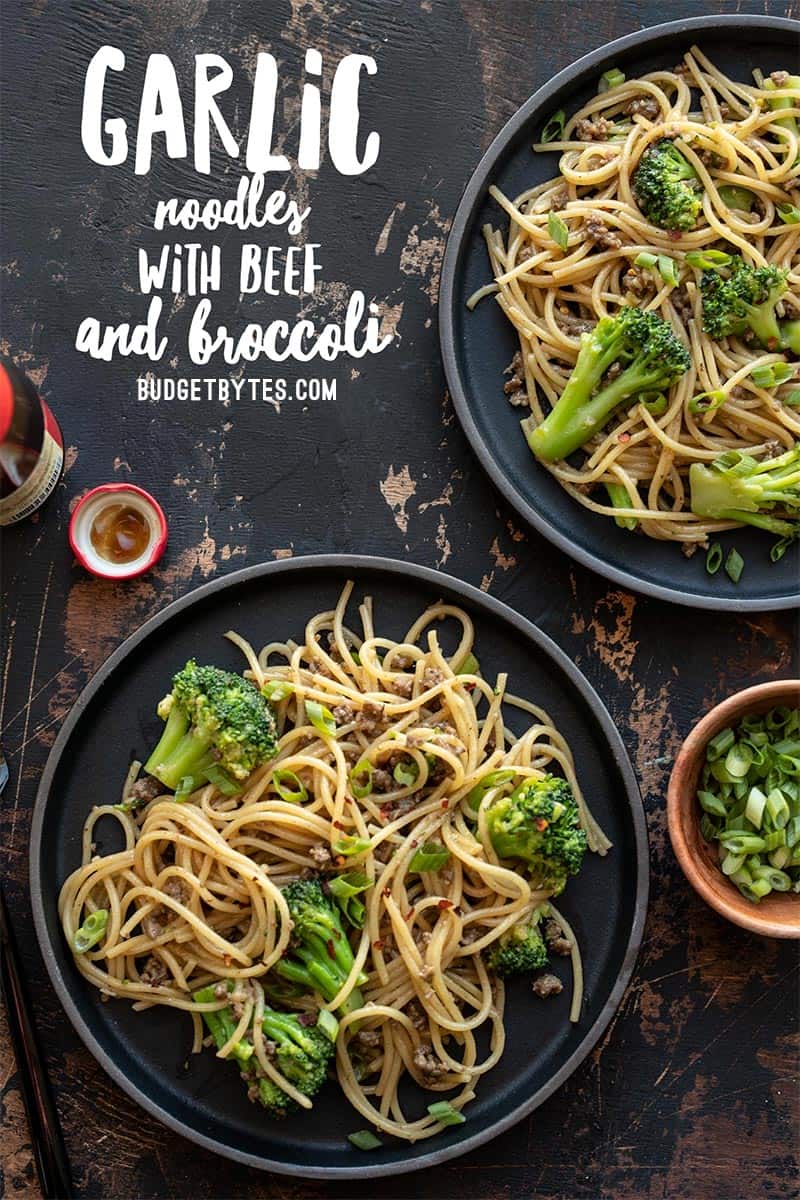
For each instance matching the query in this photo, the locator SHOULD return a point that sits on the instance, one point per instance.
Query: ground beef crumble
(599, 233)
(428, 1065)
(593, 129)
(644, 106)
(547, 985)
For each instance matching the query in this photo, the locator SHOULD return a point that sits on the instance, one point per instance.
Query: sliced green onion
(731, 863)
(706, 402)
(431, 856)
(779, 548)
(738, 760)
(772, 374)
(222, 781)
(646, 259)
(553, 131)
(655, 403)
(91, 931)
(350, 845)
(734, 565)
(610, 79)
(775, 840)
(406, 773)
(739, 198)
(742, 843)
(707, 260)
(788, 213)
(328, 1024)
(720, 744)
(793, 832)
(445, 1114)
(793, 398)
(714, 558)
(777, 808)
(364, 1139)
(321, 718)
(361, 779)
(754, 810)
(780, 857)
(295, 792)
(668, 269)
(712, 804)
(778, 880)
(276, 690)
(558, 230)
(756, 890)
(185, 788)
(469, 666)
(493, 779)
(346, 889)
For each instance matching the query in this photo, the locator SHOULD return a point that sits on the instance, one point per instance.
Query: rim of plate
(480, 601)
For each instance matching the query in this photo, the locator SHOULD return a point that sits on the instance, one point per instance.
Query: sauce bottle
(31, 447)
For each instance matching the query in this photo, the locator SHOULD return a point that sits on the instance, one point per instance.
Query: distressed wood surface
(693, 1091)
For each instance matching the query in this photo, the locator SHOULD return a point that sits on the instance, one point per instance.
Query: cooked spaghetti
(407, 751)
(579, 247)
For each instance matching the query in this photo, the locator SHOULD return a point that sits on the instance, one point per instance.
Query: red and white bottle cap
(89, 508)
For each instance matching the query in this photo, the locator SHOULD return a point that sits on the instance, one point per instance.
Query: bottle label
(38, 486)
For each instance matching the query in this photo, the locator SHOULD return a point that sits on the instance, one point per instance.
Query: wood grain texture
(693, 1092)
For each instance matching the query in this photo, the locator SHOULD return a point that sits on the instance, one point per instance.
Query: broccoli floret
(742, 301)
(320, 957)
(738, 487)
(302, 1051)
(651, 358)
(219, 728)
(666, 187)
(538, 823)
(521, 948)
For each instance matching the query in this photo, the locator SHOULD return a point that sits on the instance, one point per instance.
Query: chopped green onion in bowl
(750, 802)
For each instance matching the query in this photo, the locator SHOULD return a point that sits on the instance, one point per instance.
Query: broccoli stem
(618, 495)
(221, 1024)
(318, 975)
(179, 752)
(790, 336)
(764, 324)
(566, 423)
(575, 418)
(779, 102)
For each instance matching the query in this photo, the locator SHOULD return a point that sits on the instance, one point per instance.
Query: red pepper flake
(226, 958)
(624, 437)
(541, 824)
(445, 903)
(377, 944)
(445, 804)
(340, 860)
(387, 891)
(330, 948)
(675, 235)
(414, 843)
(385, 812)
(337, 824)
(410, 914)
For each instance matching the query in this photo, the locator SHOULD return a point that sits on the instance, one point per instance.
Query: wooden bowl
(778, 914)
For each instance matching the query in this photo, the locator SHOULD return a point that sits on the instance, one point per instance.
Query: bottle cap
(90, 507)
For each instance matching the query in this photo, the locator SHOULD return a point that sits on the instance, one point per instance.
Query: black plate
(114, 720)
(478, 345)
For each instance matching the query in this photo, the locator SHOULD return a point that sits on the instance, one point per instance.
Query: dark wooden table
(693, 1092)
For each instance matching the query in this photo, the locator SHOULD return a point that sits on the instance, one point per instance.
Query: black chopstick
(49, 1151)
